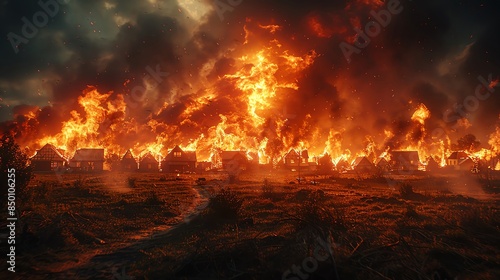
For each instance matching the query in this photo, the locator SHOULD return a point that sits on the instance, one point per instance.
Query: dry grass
(78, 214)
(375, 231)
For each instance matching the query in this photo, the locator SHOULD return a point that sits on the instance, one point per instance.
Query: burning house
(48, 158)
(234, 160)
(203, 166)
(460, 161)
(179, 161)
(87, 160)
(404, 160)
(342, 165)
(382, 164)
(148, 163)
(432, 165)
(294, 160)
(128, 162)
(363, 165)
(254, 94)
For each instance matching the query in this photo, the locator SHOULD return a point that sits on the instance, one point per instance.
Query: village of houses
(49, 158)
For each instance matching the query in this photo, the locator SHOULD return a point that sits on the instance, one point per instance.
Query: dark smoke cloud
(111, 47)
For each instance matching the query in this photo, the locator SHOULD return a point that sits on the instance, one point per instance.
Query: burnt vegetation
(373, 235)
(224, 205)
(258, 228)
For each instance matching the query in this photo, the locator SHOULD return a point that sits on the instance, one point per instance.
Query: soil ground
(162, 226)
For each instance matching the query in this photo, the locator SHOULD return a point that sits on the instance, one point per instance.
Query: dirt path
(112, 265)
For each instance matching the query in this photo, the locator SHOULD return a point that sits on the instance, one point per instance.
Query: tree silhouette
(13, 159)
(325, 164)
(466, 143)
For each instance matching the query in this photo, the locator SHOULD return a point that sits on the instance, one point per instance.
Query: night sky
(431, 53)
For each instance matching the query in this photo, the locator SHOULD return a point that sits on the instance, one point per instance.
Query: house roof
(467, 160)
(458, 155)
(431, 160)
(128, 155)
(342, 163)
(405, 156)
(381, 161)
(432, 163)
(148, 157)
(228, 155)
(294, 154)
(48, 152)
(185, 155)
(252, 156)
(89, 154)
(361, 161)
(305, 154)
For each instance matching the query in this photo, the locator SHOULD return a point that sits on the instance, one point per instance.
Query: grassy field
(261, 226)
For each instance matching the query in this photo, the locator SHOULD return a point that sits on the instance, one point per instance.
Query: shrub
(225, 205)
(406, 190)
(411, 212)
(153, 199)
(80, 187)
(132, 182)
(315, 214)
(267, 191)
(79, 183)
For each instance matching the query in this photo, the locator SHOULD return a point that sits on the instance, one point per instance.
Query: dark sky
(432, 52)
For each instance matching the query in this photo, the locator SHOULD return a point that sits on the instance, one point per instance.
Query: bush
(79, 183)
(132, 182)
(225, 205)
(267, 191)
(411, 212)
(314, 214)
(406, 190)
(153, 199)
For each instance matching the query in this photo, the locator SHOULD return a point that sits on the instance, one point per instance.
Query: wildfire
(421, 114)
(242, 109)
(91, 128)
(257, 78)
(494, 141)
